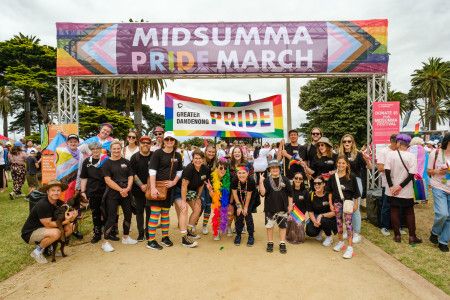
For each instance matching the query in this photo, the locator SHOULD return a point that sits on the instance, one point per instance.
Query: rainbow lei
(220, 201)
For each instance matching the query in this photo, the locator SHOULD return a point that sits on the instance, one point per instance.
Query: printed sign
(385, 120)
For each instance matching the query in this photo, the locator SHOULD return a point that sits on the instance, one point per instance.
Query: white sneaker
(385, 232)
(229, 232)
(328, 241)
(38, 257)
(348, 253)
(205, 230)
(107, 247)
(129, 241)
(402, 231)
(319, 237)
(345, 235)
(356, 238)
(338, 247)
(217, 238)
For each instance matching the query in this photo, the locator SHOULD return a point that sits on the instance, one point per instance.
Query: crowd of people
(146, 177)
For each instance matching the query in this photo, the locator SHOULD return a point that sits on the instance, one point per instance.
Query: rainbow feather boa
(220, 201)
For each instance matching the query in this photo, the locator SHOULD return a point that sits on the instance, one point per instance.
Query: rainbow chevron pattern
(85, 49)
(211, 130)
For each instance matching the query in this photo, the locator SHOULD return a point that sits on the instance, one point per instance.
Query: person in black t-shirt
(243, 188)
(165, 165)
(119, 180)
(300, 194)
(324, 163)
(359, 163)
(278, 202)
(93, 187)
(139, 163)
(40, 229)
(321, 217)
(293, 154)
(346, 190)
(188, 192)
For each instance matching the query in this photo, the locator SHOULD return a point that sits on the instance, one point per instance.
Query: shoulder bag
(348, 204)
(160, 185)
(418, 184)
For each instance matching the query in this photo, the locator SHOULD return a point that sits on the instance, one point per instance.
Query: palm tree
(5, 107)
(432, 82)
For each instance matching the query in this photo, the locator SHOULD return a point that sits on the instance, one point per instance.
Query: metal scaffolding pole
(67, 100)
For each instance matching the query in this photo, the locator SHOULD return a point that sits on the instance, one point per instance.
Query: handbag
(160, 185)
(295, 232)
(418, 184)
(348, 204)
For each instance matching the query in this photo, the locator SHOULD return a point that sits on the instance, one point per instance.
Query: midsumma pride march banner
(188, 116)
(184, 49)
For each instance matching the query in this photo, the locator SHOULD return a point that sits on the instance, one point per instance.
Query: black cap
(73, 136)
(292, 130)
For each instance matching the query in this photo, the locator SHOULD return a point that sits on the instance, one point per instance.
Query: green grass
(14, 252)
(425, 259)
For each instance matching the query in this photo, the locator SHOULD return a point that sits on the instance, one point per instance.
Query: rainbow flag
(297, 215)
(416, 128)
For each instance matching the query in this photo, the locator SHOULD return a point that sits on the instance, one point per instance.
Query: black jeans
(248, 221)
(95, 203)
(328, 225)
(141, 206)
(113, 200)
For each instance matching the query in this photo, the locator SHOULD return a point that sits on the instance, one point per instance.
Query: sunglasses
(159, 133)
(318, 183)
(315, 133)
(221, 168)
(298, 178)
(169, 139)
(131, 137)
(347, 142)
(320, 145)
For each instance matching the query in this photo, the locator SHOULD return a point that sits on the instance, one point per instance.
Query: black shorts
(279, 218)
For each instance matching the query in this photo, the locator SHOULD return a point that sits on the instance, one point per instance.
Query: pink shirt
(381, 159)
(399, 172)
(17, 159)
(442, 161)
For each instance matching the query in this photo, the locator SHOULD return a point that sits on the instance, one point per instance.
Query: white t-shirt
(2, 156)
(399, 172)
(381, 159)
(221, 153)
(273, 153)
(442, 161)
(261, 162)
(128, 153)
(187, 157)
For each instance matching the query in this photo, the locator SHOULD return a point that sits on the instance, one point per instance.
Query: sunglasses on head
(347, 142)
(169, 139)
(315, 133)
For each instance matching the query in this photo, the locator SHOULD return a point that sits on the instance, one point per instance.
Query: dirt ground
(214, 270)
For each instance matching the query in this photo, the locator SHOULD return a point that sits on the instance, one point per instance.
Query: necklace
(275, 187)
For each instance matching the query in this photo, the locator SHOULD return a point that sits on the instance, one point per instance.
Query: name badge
(123, 166)
(329, 162)
(203, 177)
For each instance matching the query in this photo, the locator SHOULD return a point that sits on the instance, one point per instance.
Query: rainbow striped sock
(153, 222)
(165, 222)
(205, 219)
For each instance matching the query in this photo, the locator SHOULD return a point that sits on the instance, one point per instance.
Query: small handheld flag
(297, 215)
(416, 128)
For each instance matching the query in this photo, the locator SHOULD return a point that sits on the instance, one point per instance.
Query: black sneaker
(443, 248)
(112, 238)
(192, 235)
(78, 235)
(96, 238)
(141, 237)
(237, 240)
(283, 249)
(250, 241)
(166, 241)
(434, 239)
(154, 245)
(187, 242)
(269, 247)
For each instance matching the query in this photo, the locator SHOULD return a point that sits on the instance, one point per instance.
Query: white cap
(168, 134)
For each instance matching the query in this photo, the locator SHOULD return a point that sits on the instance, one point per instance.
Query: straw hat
(51, 184)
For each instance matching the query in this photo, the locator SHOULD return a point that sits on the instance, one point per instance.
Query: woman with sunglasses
(343, 187)
(324, 163)
(311, 148)
(210, 163)
(132, 146)
(321, 217)
(165, 165)
(359, 163)
(300, 193)
(219, 191)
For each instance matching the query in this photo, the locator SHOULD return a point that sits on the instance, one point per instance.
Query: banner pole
(288, 106)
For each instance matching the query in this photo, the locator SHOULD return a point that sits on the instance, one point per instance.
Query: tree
(151, 118)
(92, 116)
(336, 105)
(197, 141)
(5, 107)
(432, 83)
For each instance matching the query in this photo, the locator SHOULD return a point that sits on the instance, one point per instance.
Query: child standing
(278, 203)
(243, 187)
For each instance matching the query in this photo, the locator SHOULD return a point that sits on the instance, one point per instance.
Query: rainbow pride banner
(187, 116)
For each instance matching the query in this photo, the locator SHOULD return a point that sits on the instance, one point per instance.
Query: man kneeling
(40, 229)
